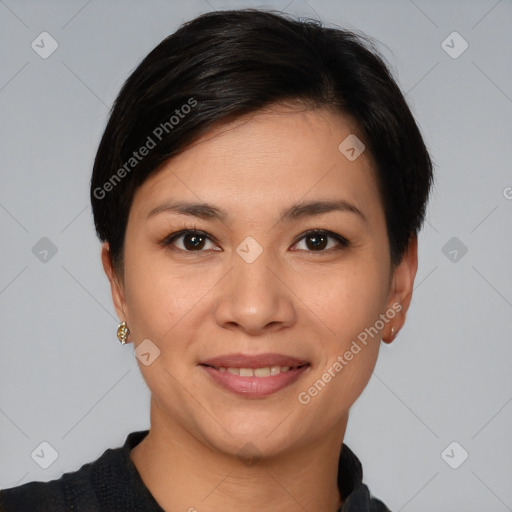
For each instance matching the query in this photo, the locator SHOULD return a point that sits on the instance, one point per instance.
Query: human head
(256, 80)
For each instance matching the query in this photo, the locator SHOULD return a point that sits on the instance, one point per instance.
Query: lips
(254, 376)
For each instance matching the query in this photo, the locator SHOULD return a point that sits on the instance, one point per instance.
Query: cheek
(160, 297)
(347, 301)
(152, 295)
(348, 310)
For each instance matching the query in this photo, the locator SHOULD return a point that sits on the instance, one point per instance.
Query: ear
(400, 292)
(116, 285)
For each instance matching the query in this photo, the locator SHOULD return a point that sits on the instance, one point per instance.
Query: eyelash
(343, 242)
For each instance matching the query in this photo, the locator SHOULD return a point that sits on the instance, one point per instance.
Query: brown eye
(317, 241)
(193, 241)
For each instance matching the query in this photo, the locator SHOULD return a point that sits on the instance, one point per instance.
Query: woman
(258, 191)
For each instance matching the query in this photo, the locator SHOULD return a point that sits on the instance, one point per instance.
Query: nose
(255, 297)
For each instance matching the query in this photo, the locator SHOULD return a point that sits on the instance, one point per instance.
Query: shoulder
(71, 489)
(90, 488)
(361, 500)
(355, 494)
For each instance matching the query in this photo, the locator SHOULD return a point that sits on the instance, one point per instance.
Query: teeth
(256, 372)
(274, 370)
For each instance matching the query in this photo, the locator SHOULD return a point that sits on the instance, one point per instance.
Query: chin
(253, 445)
(263, 430)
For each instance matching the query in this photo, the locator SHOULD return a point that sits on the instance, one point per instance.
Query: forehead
(276, 156)
(287, 134)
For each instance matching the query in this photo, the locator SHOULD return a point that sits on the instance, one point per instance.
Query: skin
(292, 300)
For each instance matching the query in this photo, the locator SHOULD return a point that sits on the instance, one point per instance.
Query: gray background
(66, 380)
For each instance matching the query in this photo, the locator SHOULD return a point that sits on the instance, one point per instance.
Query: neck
(183, 473)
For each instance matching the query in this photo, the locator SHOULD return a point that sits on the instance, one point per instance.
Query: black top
(112, 483)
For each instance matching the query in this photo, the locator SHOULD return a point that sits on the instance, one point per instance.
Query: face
(260, 280)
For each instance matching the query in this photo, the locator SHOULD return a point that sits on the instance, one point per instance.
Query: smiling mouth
(257, 382)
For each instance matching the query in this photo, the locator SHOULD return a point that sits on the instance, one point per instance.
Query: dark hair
(223, 65)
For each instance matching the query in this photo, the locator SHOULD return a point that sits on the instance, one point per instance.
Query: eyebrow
(296, 211)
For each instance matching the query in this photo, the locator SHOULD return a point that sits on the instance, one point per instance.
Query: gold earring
(393, 333)
(122, 332)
